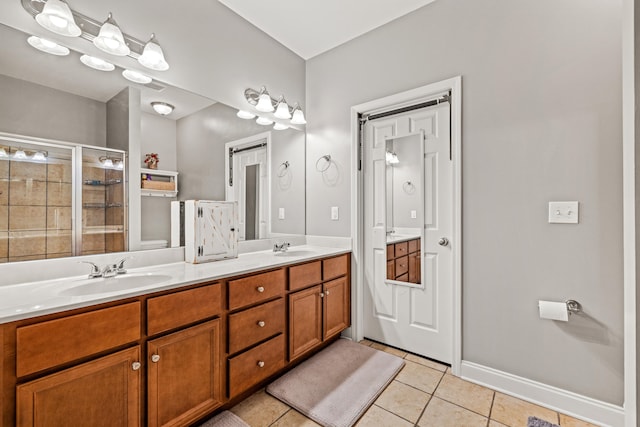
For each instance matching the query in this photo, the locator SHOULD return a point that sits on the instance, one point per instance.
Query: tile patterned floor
(423, 394)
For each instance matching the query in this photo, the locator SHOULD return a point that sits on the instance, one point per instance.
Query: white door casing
(415, 318)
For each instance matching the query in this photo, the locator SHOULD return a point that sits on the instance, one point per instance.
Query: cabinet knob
(136, 365)
(260, 289)
(326, 293)
(261, 323)
(260, 364)
(155, 358)
(321, 294)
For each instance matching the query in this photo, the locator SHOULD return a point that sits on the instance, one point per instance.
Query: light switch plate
(334, 213)
(280, 213)
(414, 214)
(563, 212)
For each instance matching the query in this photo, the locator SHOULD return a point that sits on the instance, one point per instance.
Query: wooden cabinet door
(305, 320)
(414, 268)
(184, 375)
(336, 307)
(104, 392)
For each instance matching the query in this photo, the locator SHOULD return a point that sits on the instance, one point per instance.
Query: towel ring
(282, 169)
(408, 187)
(327, 158)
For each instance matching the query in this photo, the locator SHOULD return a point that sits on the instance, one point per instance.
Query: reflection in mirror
(404, 206)
(56, 98)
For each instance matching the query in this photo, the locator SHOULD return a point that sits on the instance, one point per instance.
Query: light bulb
(20, 154)
(57, 18)
(39, 156)
(282, 110)
(152, 56)
(264, 102)
(110, 38)
(108, 163)
(298, 116)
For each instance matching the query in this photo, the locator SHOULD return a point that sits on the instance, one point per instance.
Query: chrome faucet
(110, 270)
(95, 270)
(281, 247)
(120, 266)
(390, 232)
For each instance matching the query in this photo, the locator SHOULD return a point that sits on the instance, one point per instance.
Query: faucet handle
(95, 270)
(120, 265)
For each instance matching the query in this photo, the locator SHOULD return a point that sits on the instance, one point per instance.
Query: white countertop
(396, 238)
(26, 300)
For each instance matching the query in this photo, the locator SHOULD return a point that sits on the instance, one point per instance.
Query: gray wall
(30, 109)
(541, 122)
(288, 190)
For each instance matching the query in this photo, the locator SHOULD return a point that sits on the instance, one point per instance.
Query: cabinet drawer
(256, 288)
(182, 308)
(391, 253)
(48, 344)
(335, 267)
(403, 278)
(301, 276)
(255, 324)
(254, 365)
(402, 249)
(414, 245)
(402, 265)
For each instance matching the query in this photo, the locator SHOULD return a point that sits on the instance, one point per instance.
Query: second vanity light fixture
(57, 17)
(264, 103)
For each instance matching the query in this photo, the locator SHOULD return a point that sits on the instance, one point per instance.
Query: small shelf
(158, 183)
(101, 205)
(98, 182)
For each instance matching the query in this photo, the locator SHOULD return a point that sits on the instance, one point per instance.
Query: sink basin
(294, 252)
(113, 284)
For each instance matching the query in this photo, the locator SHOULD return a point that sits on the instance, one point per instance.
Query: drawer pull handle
(155, 358)
(260, 364)
(261, 323)
(260, 289)
(136, 365)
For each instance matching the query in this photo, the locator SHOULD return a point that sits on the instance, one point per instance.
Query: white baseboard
(566, 402)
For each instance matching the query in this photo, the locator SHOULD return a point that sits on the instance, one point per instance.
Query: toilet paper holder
(573, 306)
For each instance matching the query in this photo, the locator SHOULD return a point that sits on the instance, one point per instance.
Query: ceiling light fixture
(110, 38)
(136, 77)
(56, 17)
(263, 102)
(245, 115)
(162, 108)
(47, 46)
(97, 63)
(264, 121)
(152, 56)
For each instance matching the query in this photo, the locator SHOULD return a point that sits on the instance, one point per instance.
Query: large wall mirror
(48, 98)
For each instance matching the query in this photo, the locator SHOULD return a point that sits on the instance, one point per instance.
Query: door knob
(443, 241)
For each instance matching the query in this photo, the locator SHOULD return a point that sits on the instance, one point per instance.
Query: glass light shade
(387, 156)
(47, 46)
(280, 126)
(152, 56)
(264, 103)
(108, 163)
(282, 110)
(39, 156)
(3, 153)
(110, 39)
(20, 154)
(162, 108)
(298, 117)
(136, 77)
(57, 18)
(97, 63)
(264, 121)
(245, 115)
(119, 164)
(394, 159)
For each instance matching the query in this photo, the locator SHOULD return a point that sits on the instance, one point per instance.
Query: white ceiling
(311, 28)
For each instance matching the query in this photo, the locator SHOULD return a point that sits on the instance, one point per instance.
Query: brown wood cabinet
(103, 392)
(403, 261)
(185, 352)
(184, 375)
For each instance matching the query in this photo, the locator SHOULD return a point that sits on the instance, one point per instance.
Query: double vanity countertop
(26, 300)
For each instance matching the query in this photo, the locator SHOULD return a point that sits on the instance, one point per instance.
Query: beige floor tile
(515, 412)
(568, 421)
(378, 417)
(294, 418)
(365, 342)
(493, 423)
(260, 409)
(420, 377)
(444, 414)
(403, 400)
(389, 350)
(466, 394)
(426, 362)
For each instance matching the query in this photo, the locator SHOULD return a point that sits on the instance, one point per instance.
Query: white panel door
(414, 317)
(238, 190)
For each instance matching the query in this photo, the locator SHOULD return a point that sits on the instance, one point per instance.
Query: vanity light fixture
(282, 109)
(56, 17)
(110, 38)
(136, 77)
(3, 152)
(245, 115)
(47, 46)
(162, 108)
(263, 102)
(264, 121)
(111, 162)
(119, 164)
(97, 63)
(280, 126)
(152, 56)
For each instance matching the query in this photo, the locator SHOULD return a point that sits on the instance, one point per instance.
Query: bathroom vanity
(172, 352)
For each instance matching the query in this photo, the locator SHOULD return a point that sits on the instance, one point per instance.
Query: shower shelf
(98, 182)
(101, 205)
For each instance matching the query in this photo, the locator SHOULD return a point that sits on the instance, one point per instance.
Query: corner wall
(541, 122)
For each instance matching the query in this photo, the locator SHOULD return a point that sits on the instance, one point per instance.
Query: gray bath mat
(537, 422)
(225, 419)
(336, 386)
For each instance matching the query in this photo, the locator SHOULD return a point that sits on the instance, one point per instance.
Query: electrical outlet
(334, 213)
(563, 212)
